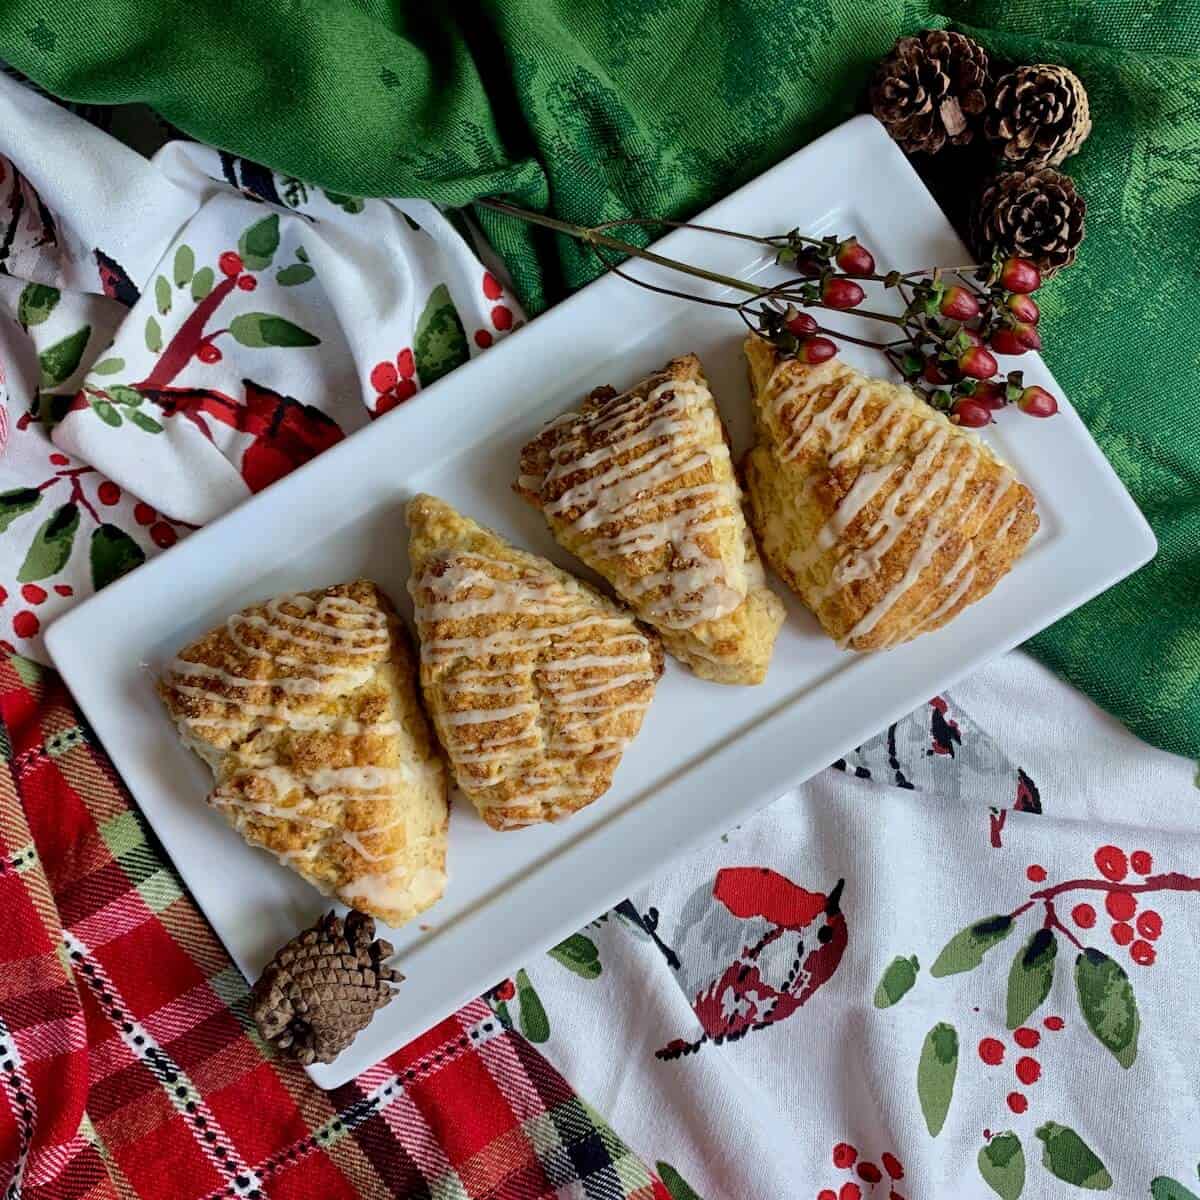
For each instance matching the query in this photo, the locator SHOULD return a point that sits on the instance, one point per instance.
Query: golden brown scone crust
(669, 532)
(567, 674)
(306, 709)
(883, 516)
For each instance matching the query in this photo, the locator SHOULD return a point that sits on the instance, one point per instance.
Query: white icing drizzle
(802, 423)
(564, 660)
(662, 436)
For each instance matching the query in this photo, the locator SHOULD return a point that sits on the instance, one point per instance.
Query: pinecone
(322, 988)
(1034, 214)
(929, 89)
(1038, 116)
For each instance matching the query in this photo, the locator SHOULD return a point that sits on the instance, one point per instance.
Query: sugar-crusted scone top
(642, 488)
(886, 518)
(536, 684)
(306, 709)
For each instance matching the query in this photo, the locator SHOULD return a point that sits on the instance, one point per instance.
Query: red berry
(386, 402)
(406, 364)
(247, 283)
(1141, 862)
(1029, 1070)
(1017, 340)
(827, 1194)
(1024, 308)
(230, 263)
(850, 1191)
(1035, 873)
(937, 372)
(505, 990)
(1122, 933)
(1054, 1023)
(108, 492)
(1120, 905)
(991, 1050)
(869, 1172)
(839, 292)
(483, 339)
(162, 535)
(844, 1155)
(502, 316)
(853, 258)
(1084, 915)
(406, 389)
(3, 591)
(1037, 402)
(1017, 1102)
(60, 460)
(1020, 275)
(892, 1165)
(977, 363)
(33, 593)
(383, 376)
(991, 393)
(25, 624)
(208, 353)
(64, 589)
(491, 286)
(1149, 924)
(958, 304)
(813, 350)
(1027, 1038)
(801, 324)
(1110, 860)
(143, 514)
(971, 413)
(1142, 953)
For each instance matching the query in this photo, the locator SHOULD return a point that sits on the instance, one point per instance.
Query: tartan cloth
(129, 1064)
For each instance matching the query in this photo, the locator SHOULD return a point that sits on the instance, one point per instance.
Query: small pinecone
(930, 89)
(322, 988)
(1038, 116)
(1033, 214)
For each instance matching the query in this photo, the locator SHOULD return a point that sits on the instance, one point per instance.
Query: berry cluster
(845, 1158)
(394, 383)
(1026, 1068)
(1114, 864)
(231, 266)
(951, 331)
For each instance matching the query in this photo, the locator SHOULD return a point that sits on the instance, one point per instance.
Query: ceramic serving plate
(708, 755)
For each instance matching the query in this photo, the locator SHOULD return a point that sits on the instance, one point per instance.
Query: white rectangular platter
(708, 756)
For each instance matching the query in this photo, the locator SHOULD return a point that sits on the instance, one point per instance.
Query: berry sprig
(846, 1158)
(954, 322)
(1027, 1069)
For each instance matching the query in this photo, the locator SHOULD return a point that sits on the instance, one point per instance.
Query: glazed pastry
(641, 487)
(306, 709)
(536, 683)
(883, 516)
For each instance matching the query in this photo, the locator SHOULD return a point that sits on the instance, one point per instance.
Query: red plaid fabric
(129, 1065)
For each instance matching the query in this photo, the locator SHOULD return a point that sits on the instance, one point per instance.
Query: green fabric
(602, 108)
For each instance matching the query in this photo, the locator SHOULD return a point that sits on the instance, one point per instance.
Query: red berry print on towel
(491, 286)
(483, 339)
(846, 1158)
(26, 624)
(1149, 924)
(1017, 1102)
(394, 382)
(892, 1165)
(1142, 953)
(502, 316)
(844, 1155)
(1112, 863)
(764, 946)
(1084, 915)
(991, 1051)
(1035, 873)
(1141, 862)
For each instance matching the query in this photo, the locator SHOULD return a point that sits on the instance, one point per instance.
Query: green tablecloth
(602, 108)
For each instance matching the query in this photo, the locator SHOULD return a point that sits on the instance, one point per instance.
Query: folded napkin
(606, 110)
(178, 333)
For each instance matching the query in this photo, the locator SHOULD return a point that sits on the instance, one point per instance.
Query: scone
(883, 516)
(536, 683)
(641, 487)
(306, 709)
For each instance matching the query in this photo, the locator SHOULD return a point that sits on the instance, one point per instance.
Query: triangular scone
(883, 516)
(535, 682)
(306, 709)
(641, 487)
